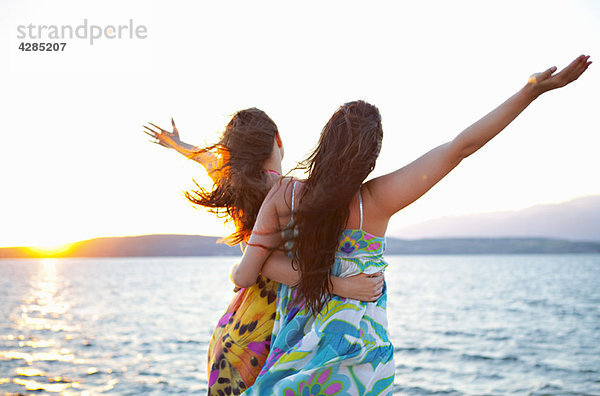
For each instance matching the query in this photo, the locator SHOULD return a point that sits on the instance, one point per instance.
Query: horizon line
(390, 231)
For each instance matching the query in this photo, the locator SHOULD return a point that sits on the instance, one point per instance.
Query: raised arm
(363, 287)
(412, 181)
(171, 140)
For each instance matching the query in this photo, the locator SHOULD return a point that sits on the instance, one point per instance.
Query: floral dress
(241, 341)
(345, 349)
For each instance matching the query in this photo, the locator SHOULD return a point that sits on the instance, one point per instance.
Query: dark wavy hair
(241, 184)
(345, 155)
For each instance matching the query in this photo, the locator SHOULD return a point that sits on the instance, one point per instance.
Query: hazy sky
(75, 164)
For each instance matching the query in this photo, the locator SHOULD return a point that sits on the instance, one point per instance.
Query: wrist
(530, 92)
(338, 286)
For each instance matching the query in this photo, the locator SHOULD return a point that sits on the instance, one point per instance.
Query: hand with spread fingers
(164, 137)
(547, 80)
(173, 141)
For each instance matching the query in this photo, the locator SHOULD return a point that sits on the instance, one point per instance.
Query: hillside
(196, 245)
(577, 220)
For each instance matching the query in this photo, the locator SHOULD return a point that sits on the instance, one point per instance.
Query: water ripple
(461, 325)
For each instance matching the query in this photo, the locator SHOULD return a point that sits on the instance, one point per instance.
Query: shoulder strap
(360, 206)
(293, 196)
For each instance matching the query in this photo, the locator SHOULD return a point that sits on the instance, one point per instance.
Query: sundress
(345, 349)
(240, 343)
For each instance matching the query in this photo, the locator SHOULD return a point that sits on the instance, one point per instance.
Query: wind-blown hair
(345, 155)
(241, 184)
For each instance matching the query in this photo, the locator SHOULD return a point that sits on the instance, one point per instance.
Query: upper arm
(278, 267)
(265, 237)
(398, 189)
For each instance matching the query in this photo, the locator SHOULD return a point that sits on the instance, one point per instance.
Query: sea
(460, 325)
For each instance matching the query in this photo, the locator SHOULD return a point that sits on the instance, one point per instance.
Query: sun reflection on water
(42, 326)
(29, 371)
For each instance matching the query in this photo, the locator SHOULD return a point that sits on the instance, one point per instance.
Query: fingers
(153, 134)
(150, 131)
(547, 80)
(161, 136)
(369, 287)
(157, 127)
(174, 127)
(547, 73)
(378, 278)
(378, 286)
(575, 65)
(376, 283)
(579, 60)
(573, 70)
(576, 62)
(150, 134)
(579, 66)
(377, 295)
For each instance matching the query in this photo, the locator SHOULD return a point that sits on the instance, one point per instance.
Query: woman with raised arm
(334, 224)
(244, 165)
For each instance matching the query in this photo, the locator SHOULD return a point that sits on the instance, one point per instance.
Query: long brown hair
(348, 148)
(241, 184)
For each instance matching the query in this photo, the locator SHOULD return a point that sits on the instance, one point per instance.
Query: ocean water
(461, 325)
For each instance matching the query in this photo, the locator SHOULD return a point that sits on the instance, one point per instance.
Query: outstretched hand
(547, 80)
(163, 137)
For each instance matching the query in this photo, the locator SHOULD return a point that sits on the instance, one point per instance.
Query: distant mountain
(489, 246)
(196, 245)
(578, 219)
(139, 246)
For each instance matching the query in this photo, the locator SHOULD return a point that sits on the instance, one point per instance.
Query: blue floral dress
(345, 349)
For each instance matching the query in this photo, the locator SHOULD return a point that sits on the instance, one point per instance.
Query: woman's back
(345, 347)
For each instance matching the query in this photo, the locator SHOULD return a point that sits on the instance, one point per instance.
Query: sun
(51, 250)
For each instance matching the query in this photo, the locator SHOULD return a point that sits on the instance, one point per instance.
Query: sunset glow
(431, 74)
(51, 250)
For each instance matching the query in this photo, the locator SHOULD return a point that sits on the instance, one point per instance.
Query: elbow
(464, 152)
(468, 150)
(463, 155)
(461, 148)
(244, 283)
(239, 279)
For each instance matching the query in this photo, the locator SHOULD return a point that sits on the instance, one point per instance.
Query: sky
(74, 163)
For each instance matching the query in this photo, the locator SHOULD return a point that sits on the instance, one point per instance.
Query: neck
(273, 172)
(272, 177)
(272, 165)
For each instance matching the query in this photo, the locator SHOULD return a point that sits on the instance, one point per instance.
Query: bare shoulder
(281, 186)
(375, 219)
(396, 190)
(282, 192)
(370, 190)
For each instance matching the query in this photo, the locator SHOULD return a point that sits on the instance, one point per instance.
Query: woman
(244, 164)
(324, 344)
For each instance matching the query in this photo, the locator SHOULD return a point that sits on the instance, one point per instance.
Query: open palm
(547, 80)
